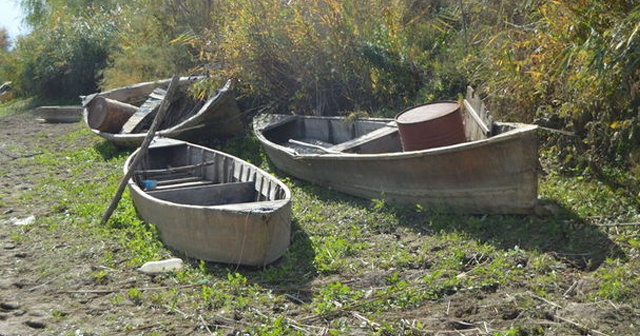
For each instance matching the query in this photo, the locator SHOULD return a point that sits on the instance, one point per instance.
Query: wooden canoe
(217, 117)
(493, 172)
(59, 114)
(210, 205)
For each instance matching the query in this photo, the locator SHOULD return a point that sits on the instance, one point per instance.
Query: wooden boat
(188, 119)
(210, 205)
(6, 94)
(59, 114)
(493, 172)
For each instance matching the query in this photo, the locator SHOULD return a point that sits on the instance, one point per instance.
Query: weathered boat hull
(59, 114)
(219, 117)
(496, 175)
(235, 213)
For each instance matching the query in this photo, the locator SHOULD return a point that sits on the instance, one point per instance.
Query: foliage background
(569, 65)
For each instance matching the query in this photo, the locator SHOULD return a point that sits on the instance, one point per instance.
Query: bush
(330, 57)
(145, 44)
(63, 59)
(571, 65)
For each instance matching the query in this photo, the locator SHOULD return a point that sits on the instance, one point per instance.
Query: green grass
(348, 256)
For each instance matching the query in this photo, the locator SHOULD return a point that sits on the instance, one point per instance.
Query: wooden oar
(143, 148)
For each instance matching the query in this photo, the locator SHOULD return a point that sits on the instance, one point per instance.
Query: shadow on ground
(564, 234)
(290, 274)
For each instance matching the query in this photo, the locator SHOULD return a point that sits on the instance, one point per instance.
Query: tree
(67, 49)
(5, 42)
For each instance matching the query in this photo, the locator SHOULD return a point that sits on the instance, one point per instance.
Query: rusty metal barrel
(108, 115)
(430, 125)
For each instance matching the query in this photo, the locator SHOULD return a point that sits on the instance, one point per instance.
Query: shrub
(571, 65)
(330, 57)
(62, 58)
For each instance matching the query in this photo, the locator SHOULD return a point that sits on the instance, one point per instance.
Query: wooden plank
(310, 145)
(361, 140)
(167, 180)
(478, 121)
(144, 113)
(175, 169)
(183, 185)
(212, 194)
(476, 117)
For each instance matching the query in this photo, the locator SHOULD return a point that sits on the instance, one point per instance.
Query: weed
(135, 296)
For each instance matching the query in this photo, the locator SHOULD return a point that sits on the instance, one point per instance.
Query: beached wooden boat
(123, 115)
(210, 205)
(59, 114)
(494, 171)
(6, 94)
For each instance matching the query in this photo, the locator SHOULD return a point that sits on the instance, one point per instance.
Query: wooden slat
(177, 180)
(310, 145)
(258, 182)
(476, 117)
(175, 169)
(478, 121)
(145, 112)
(365, 138)
(183, 185)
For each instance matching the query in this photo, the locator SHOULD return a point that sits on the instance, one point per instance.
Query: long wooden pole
(143, 148)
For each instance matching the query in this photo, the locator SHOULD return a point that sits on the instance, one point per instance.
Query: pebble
(36, 324)
(6, 283)
(9, 305)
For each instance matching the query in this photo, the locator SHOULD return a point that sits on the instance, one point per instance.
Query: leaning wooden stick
(143, 148)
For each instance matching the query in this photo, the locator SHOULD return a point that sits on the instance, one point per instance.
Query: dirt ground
(33, 304)
(26, 300)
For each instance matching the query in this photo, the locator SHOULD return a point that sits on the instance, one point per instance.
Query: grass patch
(355, 266)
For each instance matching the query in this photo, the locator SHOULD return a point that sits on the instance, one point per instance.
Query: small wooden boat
(123, 115)
(59, 114)
(493, 172)
(210, 205)
(6, 94)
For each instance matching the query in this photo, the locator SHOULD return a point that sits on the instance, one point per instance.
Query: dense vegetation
(566, 65)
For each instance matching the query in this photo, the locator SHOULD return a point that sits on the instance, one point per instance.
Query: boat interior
(185, 174)
(313, 135)
(335, 135)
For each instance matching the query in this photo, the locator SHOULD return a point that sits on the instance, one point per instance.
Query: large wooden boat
(123, 115)
(493, 172)
(210, 205)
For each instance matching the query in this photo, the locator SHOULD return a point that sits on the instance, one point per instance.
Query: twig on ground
(578, 326)
(544, 300)
(185, 315)
(204, 324)
(42, 284)
(373, 325)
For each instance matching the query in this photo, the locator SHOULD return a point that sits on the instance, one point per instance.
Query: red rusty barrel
(108, 115)
(431, 125)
